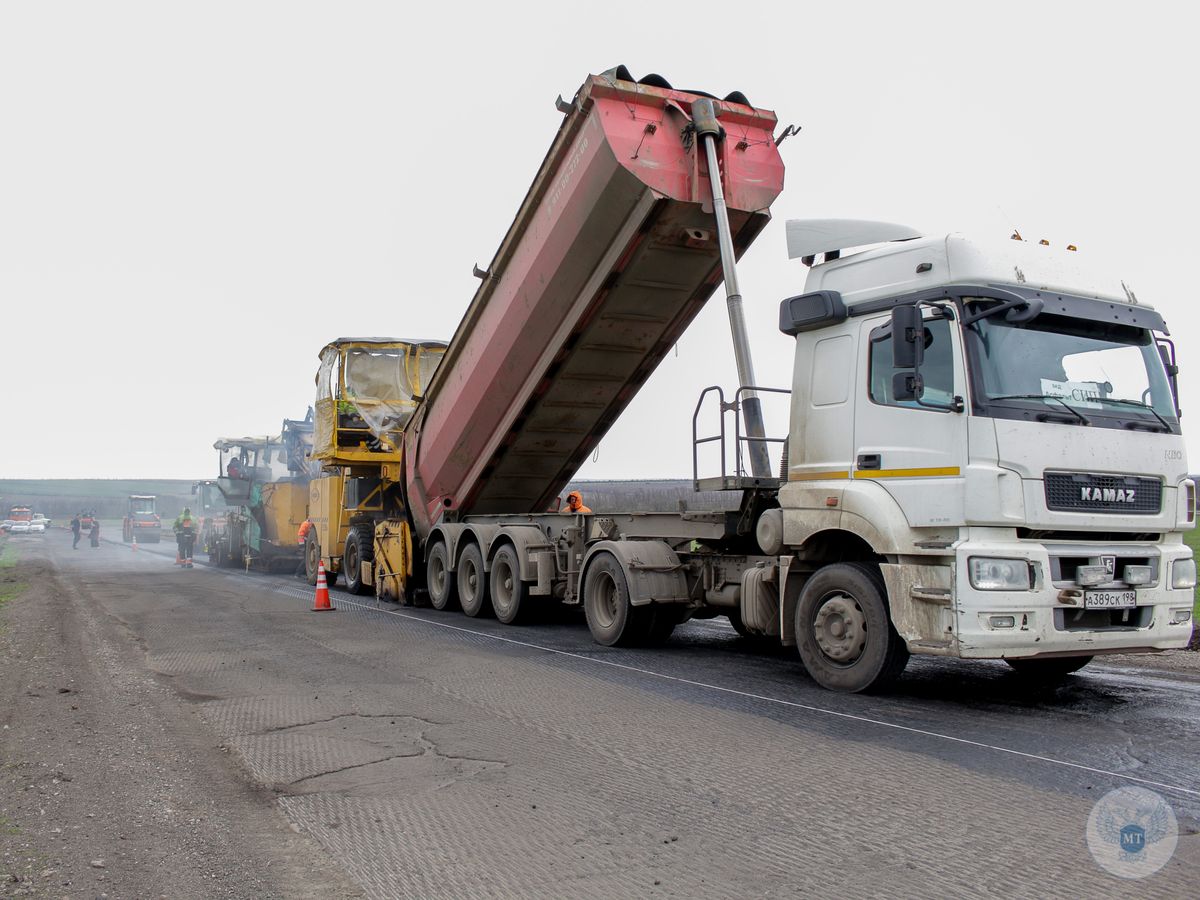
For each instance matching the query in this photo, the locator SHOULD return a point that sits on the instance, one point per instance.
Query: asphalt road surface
(227, 741)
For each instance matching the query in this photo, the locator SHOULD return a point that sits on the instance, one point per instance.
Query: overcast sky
(195, 197)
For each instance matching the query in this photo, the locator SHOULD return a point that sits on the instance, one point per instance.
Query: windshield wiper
(1072, 410)
(1150, 409)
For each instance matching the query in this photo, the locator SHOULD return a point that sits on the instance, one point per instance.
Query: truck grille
(1078, 492)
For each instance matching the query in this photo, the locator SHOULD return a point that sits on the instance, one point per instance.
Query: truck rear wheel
(611, 618)
(510, 595)
(440, 578)
(472, 582)
(1048, 669)
(844, 632)
(359, 549)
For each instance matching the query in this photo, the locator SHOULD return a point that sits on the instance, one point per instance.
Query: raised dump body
(612, 254)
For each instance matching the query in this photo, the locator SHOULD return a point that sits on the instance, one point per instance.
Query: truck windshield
(141, 505)
(1109, 375)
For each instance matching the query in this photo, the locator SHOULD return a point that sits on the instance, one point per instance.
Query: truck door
(916, 454)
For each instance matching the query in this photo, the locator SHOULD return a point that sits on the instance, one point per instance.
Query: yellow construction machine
(264, 481)
(367, 390)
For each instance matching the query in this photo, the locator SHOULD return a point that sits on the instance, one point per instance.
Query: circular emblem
(1132, 832)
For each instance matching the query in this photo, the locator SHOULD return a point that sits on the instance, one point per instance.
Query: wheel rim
(437, 575)
(502, 586)
(605, 602)
(840, 628)
(471, 581)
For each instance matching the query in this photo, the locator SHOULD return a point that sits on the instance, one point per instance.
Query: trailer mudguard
(652, 570)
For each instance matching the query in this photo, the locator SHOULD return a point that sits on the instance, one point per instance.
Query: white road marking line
(765, 699)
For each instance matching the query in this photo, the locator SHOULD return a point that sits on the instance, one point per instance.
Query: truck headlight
(1183, 574)
(988, 574)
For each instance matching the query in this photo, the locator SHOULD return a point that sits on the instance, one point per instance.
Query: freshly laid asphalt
(428, 754)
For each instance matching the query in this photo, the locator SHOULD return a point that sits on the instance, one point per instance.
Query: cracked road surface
(409, 753)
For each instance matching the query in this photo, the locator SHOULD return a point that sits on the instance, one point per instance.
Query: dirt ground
(110, 787)
(201, 733)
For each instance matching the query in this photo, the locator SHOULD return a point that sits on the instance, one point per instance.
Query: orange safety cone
(135, 543)
(321, 601)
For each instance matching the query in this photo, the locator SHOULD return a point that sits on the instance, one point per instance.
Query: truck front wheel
(472, 581)
(844, 632)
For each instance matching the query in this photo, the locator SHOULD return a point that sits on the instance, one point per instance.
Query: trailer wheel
(472, 582)
(1048, 669)
(844, 632)
(440, 578)
(359, 549)
(611, 618)
(510, 595)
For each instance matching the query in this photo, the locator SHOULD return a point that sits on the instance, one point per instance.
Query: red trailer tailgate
(612, 254)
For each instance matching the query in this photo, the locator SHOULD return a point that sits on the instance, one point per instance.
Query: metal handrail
(697, 441)
(739, 438)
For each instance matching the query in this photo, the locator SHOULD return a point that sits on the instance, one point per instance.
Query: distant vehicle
(6, 524)
(21, 513)
(38, 517)
(36, 527)
(87, 518)
(20, 527)
(141, 521)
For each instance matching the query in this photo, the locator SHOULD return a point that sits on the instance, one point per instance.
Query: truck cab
(996, 429)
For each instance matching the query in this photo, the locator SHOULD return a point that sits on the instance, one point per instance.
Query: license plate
(1109, 599)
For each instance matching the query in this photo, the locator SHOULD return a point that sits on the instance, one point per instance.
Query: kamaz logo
(1107, 495)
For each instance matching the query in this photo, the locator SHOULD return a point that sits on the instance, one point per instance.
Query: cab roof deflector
(809, 237)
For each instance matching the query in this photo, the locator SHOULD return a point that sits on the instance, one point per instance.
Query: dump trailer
(612, 253)
(141, 520)
(264, 480)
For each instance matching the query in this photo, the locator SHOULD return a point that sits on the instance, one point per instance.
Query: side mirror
(907, 386)
(908, 337)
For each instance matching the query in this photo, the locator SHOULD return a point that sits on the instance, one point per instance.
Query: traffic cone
(135, 543)
(321, 601)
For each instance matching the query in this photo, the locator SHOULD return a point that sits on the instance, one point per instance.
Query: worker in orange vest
(575, 503)
(302, 539)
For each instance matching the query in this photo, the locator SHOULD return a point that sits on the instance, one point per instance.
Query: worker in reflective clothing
(185, 537)
(302, 539)
(575, 503)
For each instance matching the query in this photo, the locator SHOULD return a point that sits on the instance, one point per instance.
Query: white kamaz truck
(984, 460)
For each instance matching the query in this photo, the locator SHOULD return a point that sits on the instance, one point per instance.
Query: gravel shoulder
(109, 785)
